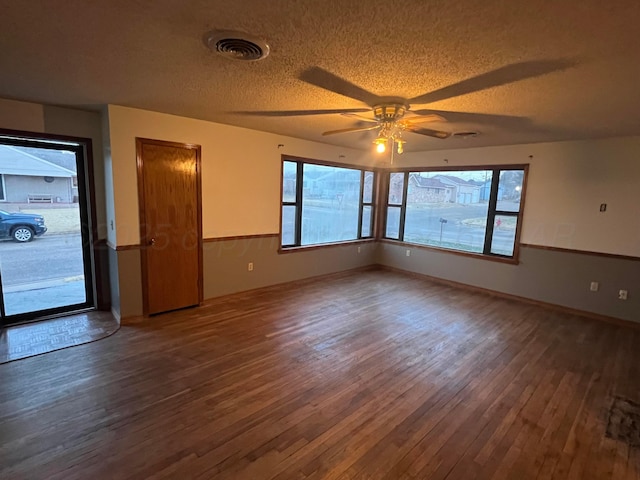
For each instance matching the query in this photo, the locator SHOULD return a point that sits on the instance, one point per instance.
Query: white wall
(240, 170)
(567, 183)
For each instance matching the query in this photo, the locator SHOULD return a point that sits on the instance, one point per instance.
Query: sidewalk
(50, 294)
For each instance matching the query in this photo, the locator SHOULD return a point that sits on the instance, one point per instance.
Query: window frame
(298, 203)
(3, 185)
(492, 210)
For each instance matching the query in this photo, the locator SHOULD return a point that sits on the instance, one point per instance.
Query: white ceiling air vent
(236, 45)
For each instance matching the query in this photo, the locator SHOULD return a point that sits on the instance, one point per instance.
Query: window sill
(305, 248)
(480, 256)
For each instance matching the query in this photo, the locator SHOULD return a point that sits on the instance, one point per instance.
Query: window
(325, 204)
(471, 210)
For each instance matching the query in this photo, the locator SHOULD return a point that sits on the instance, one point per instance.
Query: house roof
(521, 71)
(57, 157)
(13, 161)
(453, 179)
(428, 182)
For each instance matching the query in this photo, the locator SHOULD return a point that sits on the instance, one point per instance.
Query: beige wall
(25, 116)
(241, 187)
(240, 170)
(567, 183)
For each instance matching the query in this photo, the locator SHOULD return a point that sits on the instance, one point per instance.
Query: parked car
(22, 227)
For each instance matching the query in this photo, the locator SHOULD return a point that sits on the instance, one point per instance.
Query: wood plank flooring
(369, 375)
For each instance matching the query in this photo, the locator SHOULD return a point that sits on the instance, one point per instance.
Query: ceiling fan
(390, 122)
(392, 116)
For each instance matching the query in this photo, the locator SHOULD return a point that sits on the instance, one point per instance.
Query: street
(464, 228)
(45, 258)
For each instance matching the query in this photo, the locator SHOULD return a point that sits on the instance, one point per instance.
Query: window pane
(396, 188)
(289, 181)
(504, 235)
(367, 196)
(330, 204)
(288, 225)
(448, 209)
(510, 190)
(393, 223)
(366, 221)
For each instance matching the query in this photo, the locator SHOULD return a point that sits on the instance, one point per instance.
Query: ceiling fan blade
(501, 76)
(328, 81)
(359, 117)
(428, 132)
(508, 122)
(350, 130)
(294, 113)
(432, 117)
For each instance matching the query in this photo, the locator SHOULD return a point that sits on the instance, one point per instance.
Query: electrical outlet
(594, 286)
(408, 253)
(358, 249)
(622, 295)
(250, 266)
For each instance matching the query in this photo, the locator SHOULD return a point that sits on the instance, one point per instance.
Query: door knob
(152, 242)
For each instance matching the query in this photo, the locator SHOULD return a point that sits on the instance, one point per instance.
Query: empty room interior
(320, 240)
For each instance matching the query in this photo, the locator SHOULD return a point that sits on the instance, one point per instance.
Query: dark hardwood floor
(372, 375)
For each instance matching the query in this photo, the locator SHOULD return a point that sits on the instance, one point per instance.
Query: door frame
(142, 214)
(94, 274)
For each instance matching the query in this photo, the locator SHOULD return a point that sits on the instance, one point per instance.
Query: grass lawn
(58, 220)
(509, 223)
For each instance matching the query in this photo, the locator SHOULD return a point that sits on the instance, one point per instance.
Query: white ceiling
(151, 55)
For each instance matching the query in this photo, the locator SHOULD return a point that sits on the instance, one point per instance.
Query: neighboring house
(428, 190)
(463, 191)
(25, 177)
(64, 159)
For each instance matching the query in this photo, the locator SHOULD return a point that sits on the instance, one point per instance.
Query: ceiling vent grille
(236, 45)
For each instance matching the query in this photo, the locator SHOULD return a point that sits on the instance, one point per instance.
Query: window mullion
(361, 204)
(403, 206)
(491, 213)
(298, 203)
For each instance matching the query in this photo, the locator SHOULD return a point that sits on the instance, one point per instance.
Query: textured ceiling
(151, 55)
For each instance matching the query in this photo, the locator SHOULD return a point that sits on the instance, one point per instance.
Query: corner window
(471, 210)
(324, 204)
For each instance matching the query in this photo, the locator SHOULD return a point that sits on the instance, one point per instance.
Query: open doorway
(46, 234)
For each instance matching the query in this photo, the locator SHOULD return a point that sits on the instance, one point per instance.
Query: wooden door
(170, 224)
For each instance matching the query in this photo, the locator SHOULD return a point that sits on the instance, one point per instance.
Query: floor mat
(22, 341)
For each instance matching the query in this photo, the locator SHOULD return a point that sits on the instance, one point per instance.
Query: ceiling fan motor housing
(389, 112)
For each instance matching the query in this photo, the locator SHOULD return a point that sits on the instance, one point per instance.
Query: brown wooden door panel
(170, 226)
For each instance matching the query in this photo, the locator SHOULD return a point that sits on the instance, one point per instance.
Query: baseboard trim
(116, 315)
(508, 296)
(241, 237)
